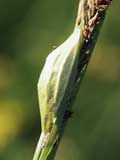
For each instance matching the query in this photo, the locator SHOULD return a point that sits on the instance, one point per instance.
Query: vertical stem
(91, 14)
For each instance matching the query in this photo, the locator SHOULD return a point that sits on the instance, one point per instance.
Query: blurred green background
(28, 31)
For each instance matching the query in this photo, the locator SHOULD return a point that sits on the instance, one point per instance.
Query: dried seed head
(92, 12)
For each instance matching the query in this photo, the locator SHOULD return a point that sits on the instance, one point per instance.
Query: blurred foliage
(28, 31)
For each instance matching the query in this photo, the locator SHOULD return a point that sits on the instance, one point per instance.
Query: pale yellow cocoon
(55, 77)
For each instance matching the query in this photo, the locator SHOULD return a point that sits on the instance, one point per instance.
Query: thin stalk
(91, 14)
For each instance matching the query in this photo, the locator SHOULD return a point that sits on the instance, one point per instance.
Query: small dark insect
(67, 114)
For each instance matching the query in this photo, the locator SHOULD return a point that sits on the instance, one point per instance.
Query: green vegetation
(28, 31)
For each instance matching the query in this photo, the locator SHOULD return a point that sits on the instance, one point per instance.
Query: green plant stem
(91, 14)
